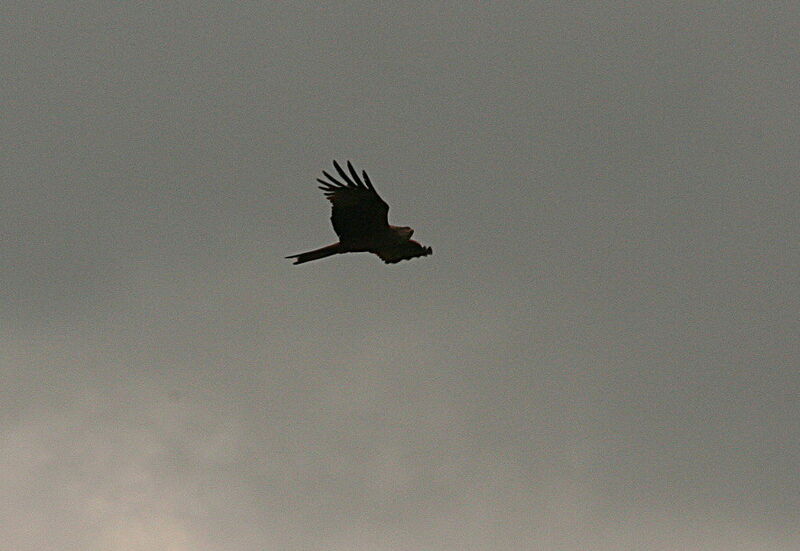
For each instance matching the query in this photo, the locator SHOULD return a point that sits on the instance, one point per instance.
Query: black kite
(360, 219)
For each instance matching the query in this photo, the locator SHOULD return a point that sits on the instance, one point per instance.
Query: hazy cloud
(600, 354)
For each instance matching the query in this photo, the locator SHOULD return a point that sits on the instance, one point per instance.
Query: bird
(360, 219)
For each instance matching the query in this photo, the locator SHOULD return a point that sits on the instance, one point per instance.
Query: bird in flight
(360, 219)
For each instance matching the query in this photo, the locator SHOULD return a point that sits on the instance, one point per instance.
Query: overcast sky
(602, 352)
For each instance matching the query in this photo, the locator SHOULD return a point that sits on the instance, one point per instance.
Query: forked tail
(316, 254)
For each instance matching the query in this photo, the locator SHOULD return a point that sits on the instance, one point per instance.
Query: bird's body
(360, 219)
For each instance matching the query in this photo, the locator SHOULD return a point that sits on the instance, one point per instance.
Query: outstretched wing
(358, 210)
(403, 251)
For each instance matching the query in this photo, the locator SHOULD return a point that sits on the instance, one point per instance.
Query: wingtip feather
(343, 174)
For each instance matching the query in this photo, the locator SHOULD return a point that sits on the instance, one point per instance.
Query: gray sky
(602, 353)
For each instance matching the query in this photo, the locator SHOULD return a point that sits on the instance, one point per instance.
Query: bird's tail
(317, 254)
